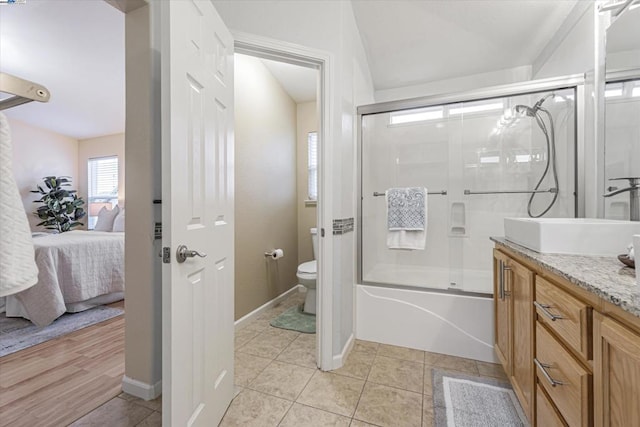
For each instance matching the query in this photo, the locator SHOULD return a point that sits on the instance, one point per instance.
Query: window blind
(102, 188)
(312, 140)
(103, 178)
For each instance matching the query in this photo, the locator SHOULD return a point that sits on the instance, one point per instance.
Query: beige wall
(38, 153)
(307, 121)
(104, 146)
(265, 186)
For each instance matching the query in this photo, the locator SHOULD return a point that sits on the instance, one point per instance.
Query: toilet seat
(307, 274)
(309, 267)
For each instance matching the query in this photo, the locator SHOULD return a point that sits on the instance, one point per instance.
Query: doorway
(268, 49)
(276, 196)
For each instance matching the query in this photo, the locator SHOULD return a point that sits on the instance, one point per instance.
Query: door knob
(182, 253)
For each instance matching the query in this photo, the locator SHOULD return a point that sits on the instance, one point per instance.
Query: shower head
(531, 111)
(541, 100)
(523, 110)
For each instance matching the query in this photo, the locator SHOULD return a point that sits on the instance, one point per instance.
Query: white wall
(571, 51)
(627, 60)
(578, 48)
(330, 27)
(38, 153)
(357, 90)
(459, 84)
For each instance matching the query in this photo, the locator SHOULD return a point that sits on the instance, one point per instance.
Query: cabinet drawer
(566, 382)
(567, 316)
(546, 414)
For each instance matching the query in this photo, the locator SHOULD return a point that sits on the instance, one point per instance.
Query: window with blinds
(312, 140)
(102, 186)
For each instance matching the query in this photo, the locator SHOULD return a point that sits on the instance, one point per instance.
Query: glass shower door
(503, 155)
(489, 156)
(405, 149)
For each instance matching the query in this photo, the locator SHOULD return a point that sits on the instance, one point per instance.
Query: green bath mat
(296, 320)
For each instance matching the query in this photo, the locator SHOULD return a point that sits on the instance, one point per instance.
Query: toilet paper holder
(275, 254)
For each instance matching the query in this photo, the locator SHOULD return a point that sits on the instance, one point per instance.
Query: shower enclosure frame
(576, 82)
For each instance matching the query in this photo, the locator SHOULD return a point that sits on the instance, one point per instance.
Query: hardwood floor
(59, 381)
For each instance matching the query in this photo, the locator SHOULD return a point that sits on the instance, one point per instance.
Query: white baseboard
(255, 313)
(339, 359)
(139, 389)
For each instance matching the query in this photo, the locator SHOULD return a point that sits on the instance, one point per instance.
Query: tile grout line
(366, 380)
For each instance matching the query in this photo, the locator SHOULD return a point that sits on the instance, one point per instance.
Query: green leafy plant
(61, 209)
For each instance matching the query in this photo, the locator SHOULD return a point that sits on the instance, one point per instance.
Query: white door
(197, 196)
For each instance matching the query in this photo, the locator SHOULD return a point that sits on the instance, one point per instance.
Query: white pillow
(118, 222)
(105, 219)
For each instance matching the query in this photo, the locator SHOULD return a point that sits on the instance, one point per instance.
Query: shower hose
(549, 135)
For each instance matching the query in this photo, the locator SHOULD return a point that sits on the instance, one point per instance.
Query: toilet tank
(314, 240)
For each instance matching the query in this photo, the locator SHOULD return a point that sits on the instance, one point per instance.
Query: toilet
(307, 273)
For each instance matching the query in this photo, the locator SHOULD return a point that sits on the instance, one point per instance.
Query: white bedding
(74, 266)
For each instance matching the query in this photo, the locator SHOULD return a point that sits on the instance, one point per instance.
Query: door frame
(267, 48)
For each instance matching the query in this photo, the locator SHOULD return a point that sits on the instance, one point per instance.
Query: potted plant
(61, 209)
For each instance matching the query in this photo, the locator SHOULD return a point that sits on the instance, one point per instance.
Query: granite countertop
(603, 276)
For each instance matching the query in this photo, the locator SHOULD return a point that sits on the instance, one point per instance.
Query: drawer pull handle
(501, 288)
(542, 367)
(546, 312)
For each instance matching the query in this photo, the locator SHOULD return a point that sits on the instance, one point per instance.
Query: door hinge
(322, 232)
(166, 255)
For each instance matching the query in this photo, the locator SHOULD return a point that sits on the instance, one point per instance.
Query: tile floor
(278, 384)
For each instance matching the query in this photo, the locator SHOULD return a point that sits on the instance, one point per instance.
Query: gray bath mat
(295, 319)
(466, 401)
(17, 333)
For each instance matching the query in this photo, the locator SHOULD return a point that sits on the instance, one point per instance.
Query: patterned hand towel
(406, 208)
(407, 218)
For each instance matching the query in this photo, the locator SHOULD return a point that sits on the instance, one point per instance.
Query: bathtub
(458, 325)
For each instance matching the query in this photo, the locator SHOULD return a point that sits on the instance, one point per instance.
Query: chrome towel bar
(551, 190)
(439, 193)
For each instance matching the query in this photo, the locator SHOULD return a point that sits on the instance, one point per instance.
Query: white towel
(18, 269)
(406, 218)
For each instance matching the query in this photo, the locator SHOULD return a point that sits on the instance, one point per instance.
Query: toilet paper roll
(277, 254)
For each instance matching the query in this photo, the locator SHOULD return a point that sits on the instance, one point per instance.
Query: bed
(77, 270)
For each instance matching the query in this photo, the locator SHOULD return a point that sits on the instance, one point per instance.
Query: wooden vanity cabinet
(502, 312)
(616, 373)
(572, 358)
(565, 380)
(546, 413)
(522, 378)
(565, 315)
(514, 326)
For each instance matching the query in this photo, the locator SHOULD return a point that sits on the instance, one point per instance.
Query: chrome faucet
(634, 196)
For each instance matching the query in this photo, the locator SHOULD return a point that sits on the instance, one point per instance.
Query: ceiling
(624, 33)
(443, 39)
(299, 82)
(75, 48)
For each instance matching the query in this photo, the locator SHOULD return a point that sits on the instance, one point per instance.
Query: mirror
(622, 112)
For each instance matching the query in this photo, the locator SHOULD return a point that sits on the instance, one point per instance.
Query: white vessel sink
(580, 236)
